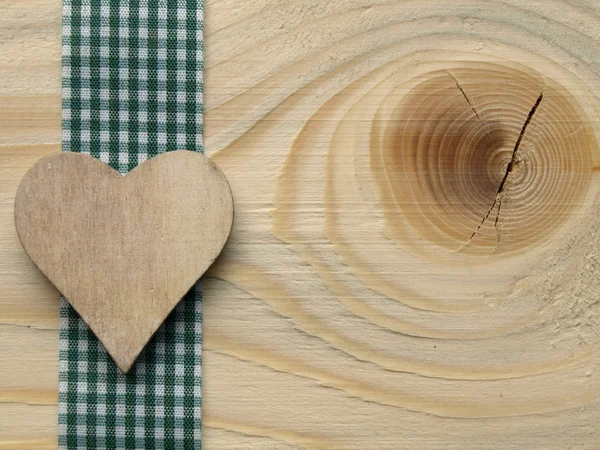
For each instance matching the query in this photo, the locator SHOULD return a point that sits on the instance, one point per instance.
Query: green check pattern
(132, 88)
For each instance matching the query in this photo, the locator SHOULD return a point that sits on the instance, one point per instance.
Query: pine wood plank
(342, 315)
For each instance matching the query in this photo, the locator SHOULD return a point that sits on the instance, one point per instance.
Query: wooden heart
(124, 249)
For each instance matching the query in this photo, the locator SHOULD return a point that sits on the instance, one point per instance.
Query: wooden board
(124, 250)
(382, 287)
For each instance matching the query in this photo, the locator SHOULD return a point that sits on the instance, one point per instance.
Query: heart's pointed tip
(124, 366)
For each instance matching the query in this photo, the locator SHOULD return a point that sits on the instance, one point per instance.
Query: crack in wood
(514, 161)
(460, 88)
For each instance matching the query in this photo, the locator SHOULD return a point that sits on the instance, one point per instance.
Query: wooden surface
(414, 262)
(72, 211)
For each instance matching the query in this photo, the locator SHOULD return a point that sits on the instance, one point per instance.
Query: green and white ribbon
(132, 88)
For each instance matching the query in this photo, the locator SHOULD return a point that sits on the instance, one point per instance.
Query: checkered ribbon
(132, 88)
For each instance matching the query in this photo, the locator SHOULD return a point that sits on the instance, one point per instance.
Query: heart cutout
(124, 250)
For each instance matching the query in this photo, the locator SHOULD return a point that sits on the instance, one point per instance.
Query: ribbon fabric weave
(132, 88)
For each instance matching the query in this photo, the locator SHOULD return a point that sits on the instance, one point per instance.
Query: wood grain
(382, 288)
(124, 250)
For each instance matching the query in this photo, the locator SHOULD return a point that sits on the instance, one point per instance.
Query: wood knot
(486, 160)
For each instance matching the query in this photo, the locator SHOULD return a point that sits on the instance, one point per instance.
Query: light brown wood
(124, 250)
(304, 347)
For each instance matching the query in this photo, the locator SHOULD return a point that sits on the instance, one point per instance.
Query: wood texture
(380, 289)
(124, 250)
